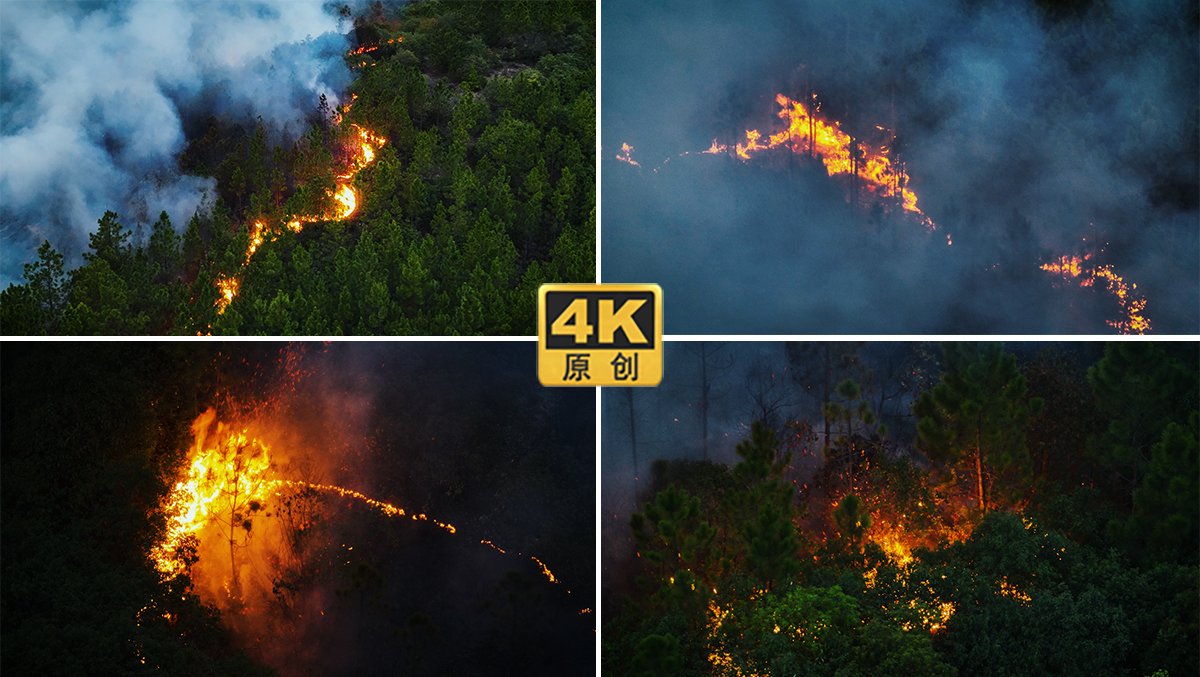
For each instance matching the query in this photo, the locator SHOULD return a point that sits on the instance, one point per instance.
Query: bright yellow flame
(895, 548)
(836, 149)
(346, 202)
(231, 464)
(1132, 306)
(227, 463)
(229, 289)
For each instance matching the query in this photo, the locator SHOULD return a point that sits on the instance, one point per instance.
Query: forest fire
(1132, 306)
(229, 474)
(229, 482)
(808, 133)
(229, 289)
(344, 197)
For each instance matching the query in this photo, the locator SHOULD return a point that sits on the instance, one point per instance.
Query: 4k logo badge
(600, 334)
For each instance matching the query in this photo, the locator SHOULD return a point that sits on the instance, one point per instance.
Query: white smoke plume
(97, 97)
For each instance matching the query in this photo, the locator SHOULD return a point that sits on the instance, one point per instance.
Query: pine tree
(765, 504)
(852, 520)
(1142, 390)
(977, 415)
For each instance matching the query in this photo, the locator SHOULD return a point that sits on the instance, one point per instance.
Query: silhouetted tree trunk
(708, 360)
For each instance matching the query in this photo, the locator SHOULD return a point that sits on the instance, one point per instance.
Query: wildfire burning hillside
(230, 481)
(362, 153)
(877, 175)
(816, 136)
(870, 163)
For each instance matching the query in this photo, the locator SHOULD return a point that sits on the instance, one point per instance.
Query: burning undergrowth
(858, 545)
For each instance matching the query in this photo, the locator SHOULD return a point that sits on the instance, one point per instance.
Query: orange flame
(225, 462)
(230, 464)
(624, 155)
(1132, 306)
(229, 289)
(346, 202)
(837, 151)
(346, 198)
(809, 133)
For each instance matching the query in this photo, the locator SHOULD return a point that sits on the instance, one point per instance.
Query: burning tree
(226, 486)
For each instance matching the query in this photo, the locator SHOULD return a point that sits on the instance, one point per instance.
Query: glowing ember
(944, 611)
(545, 569)
(1009, 590)
(1132, 305)
(387, 508)
(624, 155)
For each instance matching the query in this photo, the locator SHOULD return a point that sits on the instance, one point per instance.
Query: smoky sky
(463, 432)
(98, 99)
(1026, 137)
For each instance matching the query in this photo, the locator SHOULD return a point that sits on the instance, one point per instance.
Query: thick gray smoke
(97, 97)
(1026, 139)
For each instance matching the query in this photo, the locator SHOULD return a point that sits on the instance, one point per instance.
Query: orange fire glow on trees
(225, 478)
(873, 166)
(841, 153)
(229, 482)
(364, 147)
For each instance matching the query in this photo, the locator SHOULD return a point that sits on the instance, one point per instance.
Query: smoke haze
(1026, 139)
(461, 433)
(99, 98)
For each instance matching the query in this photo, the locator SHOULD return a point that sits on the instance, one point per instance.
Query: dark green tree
(1165, 525)
(852, 520)
(36, 307)
(763, 504)
(674, 540)
(110, 243)
(657, 656)
(1142, 389)
(976, 417)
